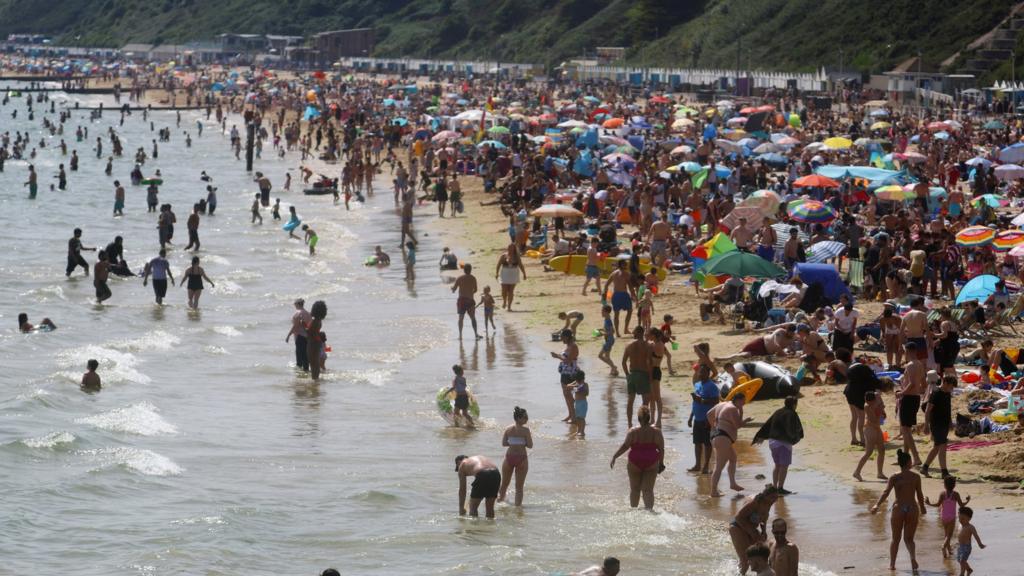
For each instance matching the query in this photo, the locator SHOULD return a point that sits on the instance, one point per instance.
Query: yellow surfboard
(750, 388)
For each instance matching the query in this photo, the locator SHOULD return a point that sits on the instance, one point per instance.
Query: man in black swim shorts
(487, 481)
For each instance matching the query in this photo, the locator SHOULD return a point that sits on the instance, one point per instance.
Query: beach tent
(827, 276)
(978, 288)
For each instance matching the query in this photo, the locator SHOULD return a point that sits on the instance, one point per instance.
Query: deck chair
(855, 274)
(1003, 325)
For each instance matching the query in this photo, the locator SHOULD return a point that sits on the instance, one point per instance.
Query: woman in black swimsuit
(658, 340)
(948, 343)
(193, 279)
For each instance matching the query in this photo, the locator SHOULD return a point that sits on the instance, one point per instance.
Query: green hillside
(872, 35)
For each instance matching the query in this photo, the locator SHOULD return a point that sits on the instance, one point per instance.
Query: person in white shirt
(844, 327)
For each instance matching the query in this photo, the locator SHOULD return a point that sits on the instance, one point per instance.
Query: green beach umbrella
(498, 130)
(742, 265)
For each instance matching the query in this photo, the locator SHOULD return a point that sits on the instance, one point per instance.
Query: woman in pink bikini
(517, 438)
(646, 448)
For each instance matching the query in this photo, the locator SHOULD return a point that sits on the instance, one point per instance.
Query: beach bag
(459, 206)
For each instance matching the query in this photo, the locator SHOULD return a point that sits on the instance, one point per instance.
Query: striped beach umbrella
(1008, 239)
(810, 211)
(893, 193)
(975, 236)
(824, 251)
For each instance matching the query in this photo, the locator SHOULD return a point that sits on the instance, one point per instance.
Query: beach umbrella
(659, 100)
(937, 126)
(1018, 220)
(941, 135)
(492, 144)
(1008, 239)
(498, 130)
(388, 102)
(682, 123)
(400, 121)
(690, 167)
(683, 149)
(815, 181)
(619, 156)
(992, 200)
(753, 214)
(1017, 251)
(444, 135)
(810, 211)
(893, 193)
(838, 143)
(978, 288)
(736, 121)
(881, 126)
(613, 123)
(729, 146)
(912, 157)
(572, 124)
(766, 204)
(824, 251)
(1009, 172)
(994, 125)
(787, 141)
(979, 161)
(742, 265)
(975, 236)
(1012, 154)
(773, 158)
(767, 148)
(556, 211)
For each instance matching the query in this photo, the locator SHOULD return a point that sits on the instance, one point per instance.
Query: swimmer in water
(25, 327)
(293, 221)
(91, 380)
(256, 210)
(382, 258)
(276, 210)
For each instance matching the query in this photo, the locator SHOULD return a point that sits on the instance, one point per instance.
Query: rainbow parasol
(810, 211)
(975, 236)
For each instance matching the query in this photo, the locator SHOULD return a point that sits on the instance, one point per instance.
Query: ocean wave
(136, 460)
(372, 377)
(51, 440)
(45, 293)
(230, 331)
(142, 418)
(155, 340)
(115, 366)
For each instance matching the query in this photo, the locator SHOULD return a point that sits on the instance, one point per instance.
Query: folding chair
(855, 274)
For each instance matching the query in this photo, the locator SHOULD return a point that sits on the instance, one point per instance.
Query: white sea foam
(51, 440)
(227, 331)
(136, 460)
(226, 287)
(155, 340)
(214, 350)
(115, 365)
(372, 377)
(142, 418)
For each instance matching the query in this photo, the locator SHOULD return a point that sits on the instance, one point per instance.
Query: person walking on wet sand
(908, 399)
(568, 365)
(783, 430)
(300, 320)
(874, 439)
(619, 279)
(963, 546)
(906, 511)
(193, 279)
(486, 483)
(466, 303)
(705, 395)
(725, 420)
(75, 253)
(636, 366)
(646, 447)
(510, 265)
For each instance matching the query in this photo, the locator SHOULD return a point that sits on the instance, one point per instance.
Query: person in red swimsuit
(646, 448)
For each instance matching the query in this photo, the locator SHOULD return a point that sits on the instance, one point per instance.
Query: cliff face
(867, 35)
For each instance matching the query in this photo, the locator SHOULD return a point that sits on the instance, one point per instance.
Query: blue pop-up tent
(978, 288)
(827, 276)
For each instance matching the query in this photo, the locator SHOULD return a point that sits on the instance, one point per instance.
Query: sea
(206, 451)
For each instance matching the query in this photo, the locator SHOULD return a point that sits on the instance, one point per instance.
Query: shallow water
(206, 453)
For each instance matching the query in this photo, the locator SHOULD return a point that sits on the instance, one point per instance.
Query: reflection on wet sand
(512, 346)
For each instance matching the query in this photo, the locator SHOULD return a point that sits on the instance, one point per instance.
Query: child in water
(963, 547)
(323, 351)
(580, 390)
(91, 380)
(461, 396)
(276, 210)
(487, 301)
(410, 261)
(311, 238)
(256, 210)
(948, 503)
(608, 332)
